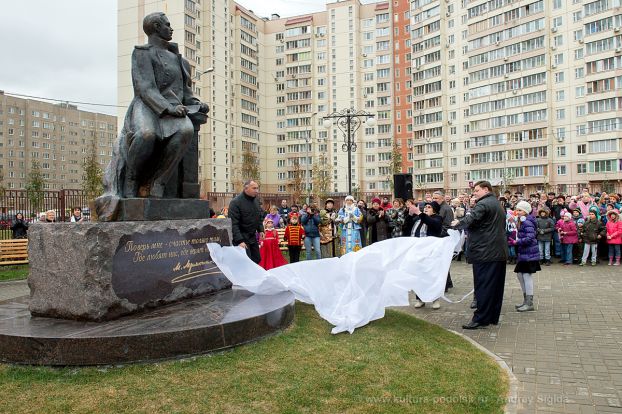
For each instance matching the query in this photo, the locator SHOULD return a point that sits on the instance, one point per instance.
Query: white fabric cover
(354, 289)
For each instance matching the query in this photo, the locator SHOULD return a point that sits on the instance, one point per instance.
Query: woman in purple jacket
(528, 254)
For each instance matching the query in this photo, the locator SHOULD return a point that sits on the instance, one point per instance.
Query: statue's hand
(179, 111)
(204, 108)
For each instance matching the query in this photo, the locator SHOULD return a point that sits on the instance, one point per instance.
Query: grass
(396, 364)
(16, 272)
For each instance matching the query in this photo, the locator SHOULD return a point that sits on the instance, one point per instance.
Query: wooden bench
(13, 251)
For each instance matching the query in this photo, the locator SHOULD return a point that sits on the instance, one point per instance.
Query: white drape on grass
(352, 290)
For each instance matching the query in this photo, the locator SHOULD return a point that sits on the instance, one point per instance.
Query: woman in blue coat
(528, 254)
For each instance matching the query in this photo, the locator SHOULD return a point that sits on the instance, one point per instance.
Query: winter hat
(375, 200)
(347, 198)
(613, 212)
(294, 215)
(596, 211)
(435, 206)
(580, 221)
(330, 200)
(578, 210)
(525, 206)
(545, 210)
(268, 219)
(568, 215)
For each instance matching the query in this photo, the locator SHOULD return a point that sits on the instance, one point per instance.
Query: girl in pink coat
(614, 236)
(568, 235)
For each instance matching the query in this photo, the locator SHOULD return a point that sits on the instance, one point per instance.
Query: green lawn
(13, 272)
(396, 364)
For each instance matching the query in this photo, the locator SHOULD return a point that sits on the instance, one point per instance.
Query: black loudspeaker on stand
(403, 186)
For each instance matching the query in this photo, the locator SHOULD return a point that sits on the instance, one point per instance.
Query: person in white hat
(528, 254)
(349, 218)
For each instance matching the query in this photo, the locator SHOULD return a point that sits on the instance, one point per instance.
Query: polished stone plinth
(192, 327)
(149, 209)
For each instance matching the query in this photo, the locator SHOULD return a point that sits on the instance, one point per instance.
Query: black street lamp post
(349, 121)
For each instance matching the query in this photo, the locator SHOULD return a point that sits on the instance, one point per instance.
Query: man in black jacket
(246, 217)
(488, 252)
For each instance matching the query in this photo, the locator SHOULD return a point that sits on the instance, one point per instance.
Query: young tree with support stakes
(35, 186)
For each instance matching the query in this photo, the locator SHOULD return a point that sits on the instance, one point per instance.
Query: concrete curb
(511, 405)
(14, 282)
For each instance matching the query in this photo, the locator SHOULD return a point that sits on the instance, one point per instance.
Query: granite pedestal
(194, 326)
(100, 271)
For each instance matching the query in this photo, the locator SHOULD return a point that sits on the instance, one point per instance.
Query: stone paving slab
(13, 289)
(567, 355)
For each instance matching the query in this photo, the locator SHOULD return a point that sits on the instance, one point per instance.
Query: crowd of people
(528, 231)
(19, 225)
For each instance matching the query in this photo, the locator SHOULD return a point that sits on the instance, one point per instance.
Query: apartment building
(519, 93)
(275, 79)
(57, 136)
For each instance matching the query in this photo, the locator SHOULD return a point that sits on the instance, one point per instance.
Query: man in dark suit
(488, 252)
(246, 217)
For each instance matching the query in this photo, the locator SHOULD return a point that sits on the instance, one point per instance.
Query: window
(561, 170)
(582, 149)
(581, 168)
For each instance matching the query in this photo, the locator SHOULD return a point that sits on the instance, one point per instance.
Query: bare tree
(322, 179)
(395, 164)
(296, 184)
(35, 186)
(2, 188)
(249, 170)
(92, 183)
(396, 158)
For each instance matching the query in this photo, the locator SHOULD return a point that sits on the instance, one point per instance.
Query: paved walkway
(567, 355)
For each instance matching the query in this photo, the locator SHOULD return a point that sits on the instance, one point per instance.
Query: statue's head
(157, 23)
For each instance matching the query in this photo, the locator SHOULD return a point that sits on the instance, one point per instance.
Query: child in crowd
(577, 249)
(614, 236)
(593, 230)
(546, 228)
(567, 230)
(294, 234)
(269, 249)
(511, 231)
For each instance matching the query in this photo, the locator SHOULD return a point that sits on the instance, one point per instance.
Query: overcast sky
(67, 49)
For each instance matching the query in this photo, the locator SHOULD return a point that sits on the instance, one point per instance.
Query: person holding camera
(377, 222)
(310, 220)
(19, 227)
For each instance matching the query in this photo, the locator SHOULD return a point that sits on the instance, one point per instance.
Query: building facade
(524, 94)
(56, 136)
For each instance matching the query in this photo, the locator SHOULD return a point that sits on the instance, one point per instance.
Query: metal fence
(31, 206)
